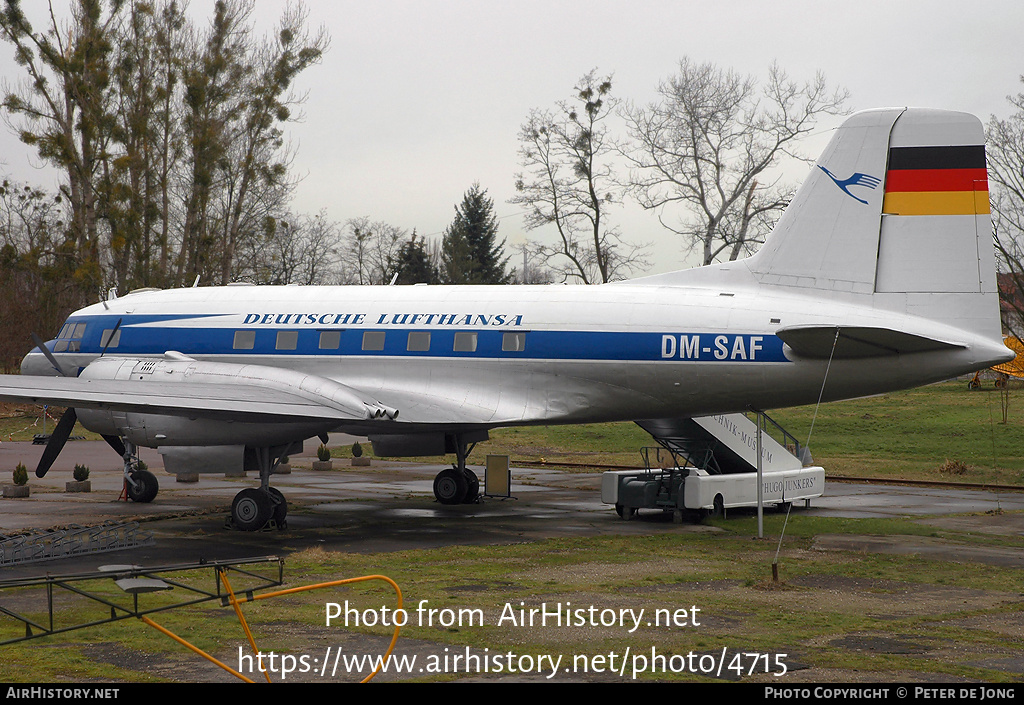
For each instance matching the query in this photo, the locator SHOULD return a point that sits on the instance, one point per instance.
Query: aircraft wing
(241, 402)
(180, 386)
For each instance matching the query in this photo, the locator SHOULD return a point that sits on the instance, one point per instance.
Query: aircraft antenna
(822, 392)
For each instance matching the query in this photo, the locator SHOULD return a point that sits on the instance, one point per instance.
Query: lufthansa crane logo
(858, 179)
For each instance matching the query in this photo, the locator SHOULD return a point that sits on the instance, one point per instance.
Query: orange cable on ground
(199, 651)
(335, 583)
(236, 602)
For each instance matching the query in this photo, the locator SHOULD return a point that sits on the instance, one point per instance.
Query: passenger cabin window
(330, 339)
(110, 339)
(244, 340)
(373, 340)
(513, 342)
(465, 342)
(419, 341)
(287, 340)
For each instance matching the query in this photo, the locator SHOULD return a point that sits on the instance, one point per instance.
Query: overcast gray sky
(415, 101)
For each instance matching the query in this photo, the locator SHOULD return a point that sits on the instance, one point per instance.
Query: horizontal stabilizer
(856, 342)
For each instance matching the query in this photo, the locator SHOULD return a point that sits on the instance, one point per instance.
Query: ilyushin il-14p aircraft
(880, 273)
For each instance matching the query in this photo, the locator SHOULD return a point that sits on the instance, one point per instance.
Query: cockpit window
(70, 338)
(72, 330)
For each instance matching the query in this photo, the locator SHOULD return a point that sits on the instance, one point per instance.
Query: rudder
(935, 252)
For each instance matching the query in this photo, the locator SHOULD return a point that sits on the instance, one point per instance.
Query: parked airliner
(879, 276)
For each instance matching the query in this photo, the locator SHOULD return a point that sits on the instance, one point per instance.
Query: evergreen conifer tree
(470, 251)
(413, 264)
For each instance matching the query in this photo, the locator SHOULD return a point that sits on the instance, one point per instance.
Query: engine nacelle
(406, 445)
(155, 430)
(218, 459)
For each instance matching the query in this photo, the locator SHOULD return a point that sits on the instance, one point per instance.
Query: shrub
(81, 472)
(20, 474)
(323, 453)
(953, 467)
(357, 450)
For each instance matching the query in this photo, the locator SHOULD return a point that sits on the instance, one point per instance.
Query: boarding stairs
(709, 463)
(727, 443)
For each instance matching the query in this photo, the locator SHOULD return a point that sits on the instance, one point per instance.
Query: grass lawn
(903, 435)
(844, 616)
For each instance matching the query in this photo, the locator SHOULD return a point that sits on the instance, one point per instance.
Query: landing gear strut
(257, 507)
(458, 484)
(140, 485)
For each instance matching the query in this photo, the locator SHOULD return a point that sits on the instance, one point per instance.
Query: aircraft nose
(36, 364)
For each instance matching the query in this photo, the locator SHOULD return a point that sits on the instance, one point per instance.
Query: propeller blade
(57, 440)
(115, 443)
(49, 356)
(110, 339)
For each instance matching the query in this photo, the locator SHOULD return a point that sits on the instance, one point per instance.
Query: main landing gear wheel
(280, 507)
(252, 509)
(142, 486)
(451, 486)
(472, 487)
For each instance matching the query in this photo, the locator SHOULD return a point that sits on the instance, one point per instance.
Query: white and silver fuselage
(488, 356)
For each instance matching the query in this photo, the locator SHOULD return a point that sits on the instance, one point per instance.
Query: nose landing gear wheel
(142, 486)
(252, 509)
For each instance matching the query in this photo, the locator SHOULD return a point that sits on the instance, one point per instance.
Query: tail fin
(896, 208)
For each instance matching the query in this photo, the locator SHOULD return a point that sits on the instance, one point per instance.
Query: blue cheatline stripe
(539, 344)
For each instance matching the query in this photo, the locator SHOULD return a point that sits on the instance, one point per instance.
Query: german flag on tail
(936, 181)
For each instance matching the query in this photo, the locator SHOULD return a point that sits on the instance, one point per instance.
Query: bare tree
(531, 265)
(137, 180)
(369, 249)
(62, 109)
(703, 155)
(294, 249)
(1006, 173)
(256, 172)
(237, 94)
(37, 262)
(569, 183)
(170, 138)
